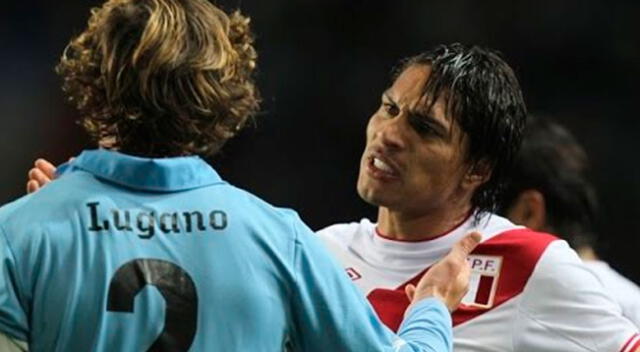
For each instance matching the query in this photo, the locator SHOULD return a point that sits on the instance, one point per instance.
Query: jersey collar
(383, 253)
(159, 175)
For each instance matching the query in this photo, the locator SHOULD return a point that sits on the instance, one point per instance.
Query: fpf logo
(485, 272)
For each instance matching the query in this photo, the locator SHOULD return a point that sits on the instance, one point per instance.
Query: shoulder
(613, 279)
(50, 201)
(518, 243)
(550, 264)
(502, 268)
(23, 214)
(259, 211)
(624, 291)
(526, 242)
(8, 210)
(559, 276)
(565, 297)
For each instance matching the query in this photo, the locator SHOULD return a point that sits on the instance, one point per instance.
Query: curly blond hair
(161, 78)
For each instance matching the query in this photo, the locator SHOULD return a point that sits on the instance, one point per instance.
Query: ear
(477, 174)
(529, 209)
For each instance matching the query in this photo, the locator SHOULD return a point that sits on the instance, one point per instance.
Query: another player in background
(141, 245)
(437, 153)
(549, 192)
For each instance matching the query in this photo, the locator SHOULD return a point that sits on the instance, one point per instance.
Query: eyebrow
(426, 117)
(386, 94)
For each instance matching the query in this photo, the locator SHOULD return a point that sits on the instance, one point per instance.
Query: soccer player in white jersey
(549, 192)
(436, 154)
(141, 246)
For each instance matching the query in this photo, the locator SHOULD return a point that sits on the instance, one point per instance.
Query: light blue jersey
(131, 254)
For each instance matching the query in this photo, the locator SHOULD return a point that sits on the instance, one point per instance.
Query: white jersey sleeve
(622, 290)
(8, 344)
(564, 308)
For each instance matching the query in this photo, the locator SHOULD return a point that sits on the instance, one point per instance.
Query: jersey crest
(483, 282)
(501, 267)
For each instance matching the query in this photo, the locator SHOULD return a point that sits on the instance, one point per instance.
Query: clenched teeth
(382, 165)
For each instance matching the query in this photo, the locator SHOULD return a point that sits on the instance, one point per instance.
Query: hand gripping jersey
(131, 254)
(529, 291)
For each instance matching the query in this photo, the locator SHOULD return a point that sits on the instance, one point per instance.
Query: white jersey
(529, 291)
(622, 290)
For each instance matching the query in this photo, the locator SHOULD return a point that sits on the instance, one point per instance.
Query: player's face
(414, 159)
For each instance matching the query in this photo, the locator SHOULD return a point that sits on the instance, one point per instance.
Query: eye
(422, 127)
(391, 109)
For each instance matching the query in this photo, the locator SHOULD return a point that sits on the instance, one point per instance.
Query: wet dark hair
(552, 162)
(481, 93)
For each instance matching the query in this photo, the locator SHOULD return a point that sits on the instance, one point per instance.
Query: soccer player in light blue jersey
(141, 246)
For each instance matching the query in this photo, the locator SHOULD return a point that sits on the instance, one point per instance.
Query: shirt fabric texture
(624, 291)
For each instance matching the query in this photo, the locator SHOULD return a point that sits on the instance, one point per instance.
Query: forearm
(426, 327)
(332, 315)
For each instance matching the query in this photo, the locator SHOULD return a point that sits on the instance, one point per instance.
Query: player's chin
(375, 194)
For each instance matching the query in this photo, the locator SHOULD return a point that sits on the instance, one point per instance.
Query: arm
(331, 314)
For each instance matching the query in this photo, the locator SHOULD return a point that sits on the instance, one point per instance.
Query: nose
(391, 135)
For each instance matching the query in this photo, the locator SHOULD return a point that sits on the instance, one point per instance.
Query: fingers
(466, 245)
(463, 277)
(39, 176)
(46, 167)
(410, 291)
(448, 279)
(32, 186)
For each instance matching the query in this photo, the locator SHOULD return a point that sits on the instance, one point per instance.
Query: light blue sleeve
(13, 320)
(332, 315)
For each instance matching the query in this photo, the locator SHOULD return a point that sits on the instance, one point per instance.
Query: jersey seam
(12, 252)
(296, 244)
(294, 295)
(554, 332)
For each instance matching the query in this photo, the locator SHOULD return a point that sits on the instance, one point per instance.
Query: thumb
(466, 245)
(410, 291)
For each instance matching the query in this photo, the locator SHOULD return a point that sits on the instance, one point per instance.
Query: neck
(400, 226)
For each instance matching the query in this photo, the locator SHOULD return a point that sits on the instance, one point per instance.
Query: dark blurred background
(322, 68)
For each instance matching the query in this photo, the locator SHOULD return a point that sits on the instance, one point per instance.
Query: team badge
(485, 272)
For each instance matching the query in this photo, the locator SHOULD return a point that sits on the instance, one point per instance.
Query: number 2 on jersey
(177, 289)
